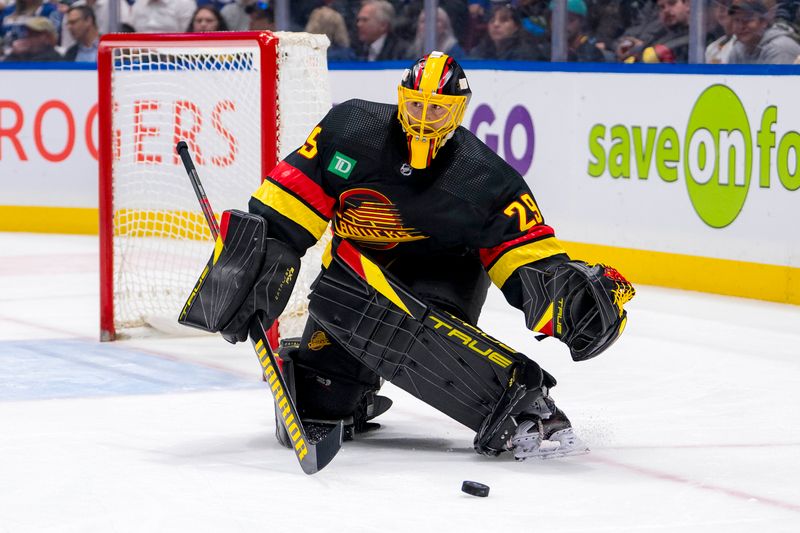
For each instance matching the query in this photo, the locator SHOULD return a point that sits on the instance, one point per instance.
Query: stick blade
(323, 451)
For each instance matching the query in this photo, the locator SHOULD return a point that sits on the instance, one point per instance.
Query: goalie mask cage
(241, 101)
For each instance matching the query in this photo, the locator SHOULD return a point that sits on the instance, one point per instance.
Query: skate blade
(565, 444)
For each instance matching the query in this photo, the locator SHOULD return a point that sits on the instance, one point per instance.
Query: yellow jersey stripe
(522, 255)
(289, 206)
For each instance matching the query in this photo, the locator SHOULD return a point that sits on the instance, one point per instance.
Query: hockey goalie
(424, 217)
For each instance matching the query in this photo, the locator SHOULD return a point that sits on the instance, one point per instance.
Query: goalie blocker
(247, 275)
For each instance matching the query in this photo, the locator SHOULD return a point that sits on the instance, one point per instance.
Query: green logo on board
(341, 165)
(716, 154)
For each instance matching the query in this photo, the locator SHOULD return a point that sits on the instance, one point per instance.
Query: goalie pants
(330, 383)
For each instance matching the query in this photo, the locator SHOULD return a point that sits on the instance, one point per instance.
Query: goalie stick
(313, 457)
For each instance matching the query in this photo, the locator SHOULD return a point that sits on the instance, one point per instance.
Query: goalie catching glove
(248, 274)
(580, 304)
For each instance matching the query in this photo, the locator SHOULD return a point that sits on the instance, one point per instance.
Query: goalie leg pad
(447, 363)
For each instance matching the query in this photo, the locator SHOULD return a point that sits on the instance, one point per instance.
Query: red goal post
(241, 101)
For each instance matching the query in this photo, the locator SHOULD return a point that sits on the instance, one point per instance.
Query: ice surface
(692, 418)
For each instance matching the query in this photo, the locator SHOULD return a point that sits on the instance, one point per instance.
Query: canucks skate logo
(371, 219)
(318, 341)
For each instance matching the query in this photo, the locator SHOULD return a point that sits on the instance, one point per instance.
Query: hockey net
(241, 101)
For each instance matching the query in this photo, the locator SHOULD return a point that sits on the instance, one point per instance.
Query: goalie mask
(431, 97)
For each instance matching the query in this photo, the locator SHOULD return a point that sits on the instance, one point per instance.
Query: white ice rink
(693, 418)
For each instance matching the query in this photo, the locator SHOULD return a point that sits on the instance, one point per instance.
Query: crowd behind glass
(627, 31)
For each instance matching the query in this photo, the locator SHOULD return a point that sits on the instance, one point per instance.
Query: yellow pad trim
(378, 281)
(218, 246)
(290, 207)
(522, 255)
(327, 254)
(546, 317)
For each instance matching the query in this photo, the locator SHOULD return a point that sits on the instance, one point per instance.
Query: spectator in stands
(262, 17)
(82, 26)
(407, 18)
(607, 18)
(207, 18)
(239, 14)
(506, 39)
(666, 42)
(35, 42)
(786, 13)
(161, 16)
(374, 28)
(13, 17)
(758, 40)
(718, 51)
(235, 14)
(325, 20)
(535, 17)
(642, 26)
(580, 46)
(100, 8)
(476, 24)
(217, 4)
(445, 39)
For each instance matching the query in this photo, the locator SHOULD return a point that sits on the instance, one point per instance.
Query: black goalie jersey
(467, 213)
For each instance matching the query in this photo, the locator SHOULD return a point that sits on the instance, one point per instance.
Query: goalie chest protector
(358, 156)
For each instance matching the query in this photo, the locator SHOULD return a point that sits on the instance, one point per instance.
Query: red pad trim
(223, 225)
(547, 329)
(294, 180)
(490, 255)
(352, 257)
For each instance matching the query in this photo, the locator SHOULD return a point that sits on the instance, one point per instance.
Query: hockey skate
(545, 432)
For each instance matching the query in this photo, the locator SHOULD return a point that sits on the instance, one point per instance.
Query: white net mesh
(210, 95)
(301, 67)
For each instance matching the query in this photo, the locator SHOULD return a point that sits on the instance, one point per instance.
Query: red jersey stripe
(294, 180)
(490, 255)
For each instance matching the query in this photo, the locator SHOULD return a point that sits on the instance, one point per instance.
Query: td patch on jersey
(341, 165)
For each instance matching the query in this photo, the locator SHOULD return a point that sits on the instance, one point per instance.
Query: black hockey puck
(475, 488)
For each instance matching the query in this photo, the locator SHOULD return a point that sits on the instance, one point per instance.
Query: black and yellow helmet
(431, 98)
